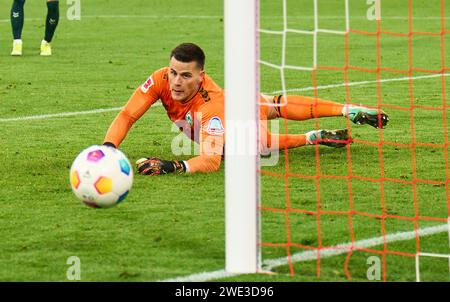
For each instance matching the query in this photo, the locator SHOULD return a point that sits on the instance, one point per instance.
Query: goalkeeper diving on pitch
(195, 103)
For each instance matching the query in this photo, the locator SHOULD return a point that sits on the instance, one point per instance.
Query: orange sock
(302, 108)
(287, 140)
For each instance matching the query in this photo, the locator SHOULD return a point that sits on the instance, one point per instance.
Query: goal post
(241, 155)
(382, 189)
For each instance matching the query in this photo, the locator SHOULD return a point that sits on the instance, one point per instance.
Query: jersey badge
(146, 86)
(215, 126)
(188, 118)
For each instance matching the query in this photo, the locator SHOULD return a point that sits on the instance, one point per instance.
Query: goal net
(377, 209)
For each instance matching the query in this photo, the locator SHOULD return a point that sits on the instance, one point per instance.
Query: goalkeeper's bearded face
(184, 79)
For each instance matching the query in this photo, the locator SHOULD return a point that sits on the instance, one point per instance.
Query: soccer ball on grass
(101, 176)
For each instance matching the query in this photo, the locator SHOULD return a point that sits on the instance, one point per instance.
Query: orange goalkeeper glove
(155, 166)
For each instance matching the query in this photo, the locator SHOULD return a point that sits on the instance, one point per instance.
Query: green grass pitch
(173, 226)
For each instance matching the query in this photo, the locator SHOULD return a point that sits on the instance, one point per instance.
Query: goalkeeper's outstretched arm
(136, 106)
(209, 160)
(211, 140)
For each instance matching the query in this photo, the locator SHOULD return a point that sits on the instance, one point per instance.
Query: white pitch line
(362, 83)
(201, 277)
(63, 114)
(156, 17)
(367, 243)
(196, 17)
(339, 249)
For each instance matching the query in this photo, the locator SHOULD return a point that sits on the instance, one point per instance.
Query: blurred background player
(17, 20)
(195, 103)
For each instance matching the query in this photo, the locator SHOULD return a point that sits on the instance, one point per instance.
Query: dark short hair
(189, 52)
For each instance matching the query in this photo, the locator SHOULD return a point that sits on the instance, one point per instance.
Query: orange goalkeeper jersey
(201, 118)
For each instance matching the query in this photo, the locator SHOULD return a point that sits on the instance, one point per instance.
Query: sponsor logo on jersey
(146, 86)
(215, 126)
(188, 118)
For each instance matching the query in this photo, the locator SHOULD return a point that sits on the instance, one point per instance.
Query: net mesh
(386, 195)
